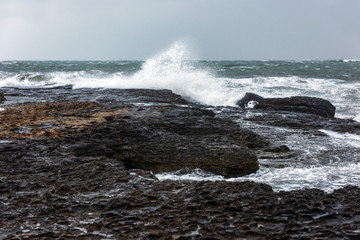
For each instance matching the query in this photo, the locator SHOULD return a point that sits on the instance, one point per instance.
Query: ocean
(324, 164)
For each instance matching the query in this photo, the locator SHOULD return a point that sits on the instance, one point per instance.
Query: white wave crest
(351, 60)
(174, 69)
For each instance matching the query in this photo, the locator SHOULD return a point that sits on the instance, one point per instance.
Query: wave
(350, 60)
(173, 69)
(176, 69)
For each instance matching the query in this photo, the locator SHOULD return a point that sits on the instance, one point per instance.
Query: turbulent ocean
(223, 83)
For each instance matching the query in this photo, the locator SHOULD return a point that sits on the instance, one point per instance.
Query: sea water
(223, 83)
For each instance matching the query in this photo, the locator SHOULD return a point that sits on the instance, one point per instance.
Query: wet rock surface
(2, 97)
(301, 104)
(303, 121)
(69, 169)
(159, 138)
(97, 198)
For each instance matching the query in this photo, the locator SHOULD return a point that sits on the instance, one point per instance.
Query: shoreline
(64, 175)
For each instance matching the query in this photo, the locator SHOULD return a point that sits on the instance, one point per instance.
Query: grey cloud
(137, 29)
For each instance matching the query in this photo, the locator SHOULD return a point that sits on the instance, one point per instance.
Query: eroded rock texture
(97, 198)
(69, 170)
(157, 138)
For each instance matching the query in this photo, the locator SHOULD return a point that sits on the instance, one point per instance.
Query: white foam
(173, 69)
(339, 92)
(357, 118)
(251, 104)
(343, 138)
(326, 178)
(194, 175)
(351, 60)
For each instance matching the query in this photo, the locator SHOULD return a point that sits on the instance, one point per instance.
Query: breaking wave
(173, 69)
(216, 83)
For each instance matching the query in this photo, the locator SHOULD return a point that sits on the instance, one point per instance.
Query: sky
(213, 29)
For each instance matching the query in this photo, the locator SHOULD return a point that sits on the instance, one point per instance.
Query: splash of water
(175, 69)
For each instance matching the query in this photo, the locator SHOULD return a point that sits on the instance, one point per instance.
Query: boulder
(300, 104)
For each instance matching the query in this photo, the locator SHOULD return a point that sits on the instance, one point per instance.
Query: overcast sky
(216, 29)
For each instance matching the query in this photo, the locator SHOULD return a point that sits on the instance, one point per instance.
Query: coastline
(62, 175)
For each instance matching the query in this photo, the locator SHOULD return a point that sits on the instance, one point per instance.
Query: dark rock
(2, 97)
(158, 138)
(301, 104)
(169, 137)
(277, 149)
(304, 121)
(97, 198)
(62, 178)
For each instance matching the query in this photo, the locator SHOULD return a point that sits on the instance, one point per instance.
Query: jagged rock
(301, 104)
(96, 197)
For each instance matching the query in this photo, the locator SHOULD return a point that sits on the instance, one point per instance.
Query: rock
(61, 178)
(169, 137)
(294, 120)
(277, 149)
(96, 197)
(158, 138)
(301, 104)
(2, 97)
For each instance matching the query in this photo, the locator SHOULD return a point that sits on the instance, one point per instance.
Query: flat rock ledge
(97, 198)
(158, 138)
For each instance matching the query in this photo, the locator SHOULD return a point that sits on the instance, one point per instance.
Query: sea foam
(327, 177)
(175, 69)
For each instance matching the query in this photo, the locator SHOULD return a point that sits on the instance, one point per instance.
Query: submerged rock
(301, 104)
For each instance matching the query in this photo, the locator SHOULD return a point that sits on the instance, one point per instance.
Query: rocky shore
(81, 163)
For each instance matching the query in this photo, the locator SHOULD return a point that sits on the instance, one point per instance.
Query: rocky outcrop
(159, 138)
(69, 197)
(301, 104)
(67, 170)
(2, 97)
